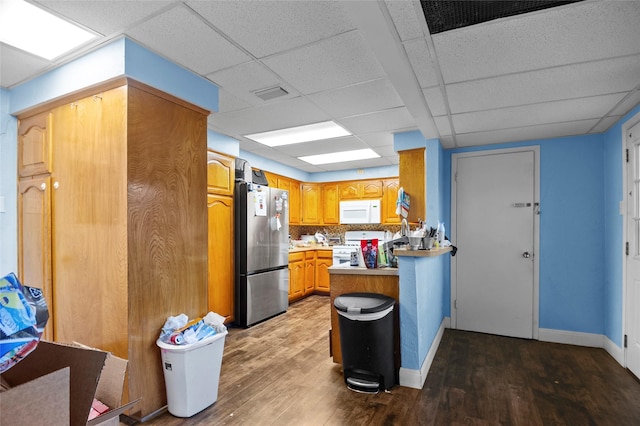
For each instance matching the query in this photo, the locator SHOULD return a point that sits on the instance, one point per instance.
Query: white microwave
(360, 211)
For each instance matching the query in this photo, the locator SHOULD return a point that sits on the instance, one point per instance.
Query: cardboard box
(56, 384)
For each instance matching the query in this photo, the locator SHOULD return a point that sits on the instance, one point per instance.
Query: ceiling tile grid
(183, 37)
(563, 71)
(265, 28)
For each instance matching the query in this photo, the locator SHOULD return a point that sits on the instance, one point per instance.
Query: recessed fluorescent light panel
(308, 133)
(31, 29)
(340, 157)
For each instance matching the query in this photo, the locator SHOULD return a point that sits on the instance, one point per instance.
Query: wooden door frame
(624, 206)
(536, 228)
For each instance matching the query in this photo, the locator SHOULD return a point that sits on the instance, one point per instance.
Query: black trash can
(367, 341)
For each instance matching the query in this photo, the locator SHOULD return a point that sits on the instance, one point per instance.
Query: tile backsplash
(337, 230)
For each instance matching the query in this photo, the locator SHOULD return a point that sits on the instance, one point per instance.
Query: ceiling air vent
(271, 93)
(445, 15)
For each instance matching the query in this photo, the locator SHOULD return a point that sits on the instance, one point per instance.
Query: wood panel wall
(167, 181)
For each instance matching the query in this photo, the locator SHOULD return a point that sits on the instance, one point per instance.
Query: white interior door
(633, 258)
(495, 269)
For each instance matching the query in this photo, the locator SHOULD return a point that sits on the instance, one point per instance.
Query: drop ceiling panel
(442, 122)
(422, 63)
(339, 61)
(264, 28)
(403, 14)
(288, 113)
(106, 17)
(16, 64)
(581, 32)
(572, 81)
(435, 101)
(200, 48)
(377, 139)
(605, 123)
(227, 102)
(535, 114)
(627, 103)
(397, 118)
(545, 131)
(358, 99)
(244, 79)
(386, 151)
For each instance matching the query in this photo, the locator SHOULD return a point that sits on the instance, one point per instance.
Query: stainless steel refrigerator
(262, 252)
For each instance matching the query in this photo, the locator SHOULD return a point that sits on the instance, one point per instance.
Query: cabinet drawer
(296, 257)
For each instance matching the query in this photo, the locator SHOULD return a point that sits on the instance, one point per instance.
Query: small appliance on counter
(342, 256)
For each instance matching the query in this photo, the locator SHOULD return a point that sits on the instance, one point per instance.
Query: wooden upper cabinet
(34, 145)
(220, 173)
(272, 180)
(389, 198)
(355, 190)
(413, 179)
(311, 207)
(330, 204)
(294, 203)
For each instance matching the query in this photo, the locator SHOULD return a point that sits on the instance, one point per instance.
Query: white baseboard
(416, 378)
(571, 337)
(614, 350)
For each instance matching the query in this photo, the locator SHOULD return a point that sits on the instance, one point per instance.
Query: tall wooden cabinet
(117, 178)
(220, 181)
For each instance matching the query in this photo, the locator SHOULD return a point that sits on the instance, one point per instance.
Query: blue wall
(8, 188)
(571, 230)
(424, 281)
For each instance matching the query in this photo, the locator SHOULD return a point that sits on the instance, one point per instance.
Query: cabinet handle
(43, 186)
(56, 185)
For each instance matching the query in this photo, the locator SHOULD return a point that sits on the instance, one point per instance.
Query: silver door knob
(526, 255)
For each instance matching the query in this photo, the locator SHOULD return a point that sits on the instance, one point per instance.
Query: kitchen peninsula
(415, 285)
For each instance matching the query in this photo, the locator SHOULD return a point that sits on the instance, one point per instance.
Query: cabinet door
(389, 198)
(294, 203)
(296, 275)
(220, 173)
(311, 204)
(34, 145)
(272, 180)
(349, 190)
(220, 254)
(371, 189)
(413, 171)
(90, 263)
(330, 204)
(34, 240)
(309, 272)
(323, 262)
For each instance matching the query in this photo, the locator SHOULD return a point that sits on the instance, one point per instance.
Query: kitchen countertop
(308, 248)
(422, 253)
(359, 270)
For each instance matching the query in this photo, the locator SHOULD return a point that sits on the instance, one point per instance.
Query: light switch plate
(1, 204)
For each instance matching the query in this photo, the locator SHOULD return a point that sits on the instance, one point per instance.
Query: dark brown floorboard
(280, 373)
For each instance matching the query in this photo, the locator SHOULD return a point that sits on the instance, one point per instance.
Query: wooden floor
(280, 373)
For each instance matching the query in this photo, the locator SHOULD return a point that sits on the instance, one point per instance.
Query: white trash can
(192, 374)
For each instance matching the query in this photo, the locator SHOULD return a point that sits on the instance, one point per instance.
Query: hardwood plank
(279, 373)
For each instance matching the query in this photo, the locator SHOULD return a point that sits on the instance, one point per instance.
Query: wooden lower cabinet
(324, 260)
(309, 272)
(296, 275)
(220, 263)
